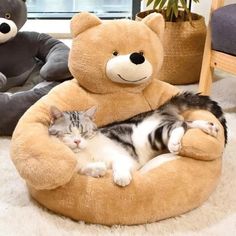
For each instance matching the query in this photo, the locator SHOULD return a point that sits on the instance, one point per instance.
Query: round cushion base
(171, 189)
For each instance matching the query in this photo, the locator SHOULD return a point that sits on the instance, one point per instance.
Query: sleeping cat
(127, 145)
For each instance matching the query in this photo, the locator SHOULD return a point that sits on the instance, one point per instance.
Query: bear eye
(115, 53)
(8, 15)
(141, 53)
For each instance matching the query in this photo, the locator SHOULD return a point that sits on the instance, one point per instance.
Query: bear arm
(201, 146)
(55, 55)
(42, 160)
(158, 92)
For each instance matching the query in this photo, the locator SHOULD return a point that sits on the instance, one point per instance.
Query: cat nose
(77, 141)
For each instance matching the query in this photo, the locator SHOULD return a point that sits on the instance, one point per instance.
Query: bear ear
(83, 21)
(156, 23)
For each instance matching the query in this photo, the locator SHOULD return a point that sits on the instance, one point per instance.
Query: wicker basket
(183, 48)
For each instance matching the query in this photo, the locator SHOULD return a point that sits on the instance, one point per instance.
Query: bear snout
(131, 68)
(137, 58)
(8, 30)
(5, 28)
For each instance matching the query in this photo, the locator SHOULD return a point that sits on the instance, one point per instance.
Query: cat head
(73, 128)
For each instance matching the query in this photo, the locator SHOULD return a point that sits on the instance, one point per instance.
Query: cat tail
(188, 100)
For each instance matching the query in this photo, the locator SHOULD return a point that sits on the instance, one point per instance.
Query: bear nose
(137, 58)
(5, 28)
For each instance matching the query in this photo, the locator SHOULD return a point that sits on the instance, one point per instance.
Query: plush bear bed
(167, 186)
(30, 64)
(15, 101)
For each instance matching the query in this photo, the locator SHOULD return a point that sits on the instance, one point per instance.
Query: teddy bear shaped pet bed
(100, 51)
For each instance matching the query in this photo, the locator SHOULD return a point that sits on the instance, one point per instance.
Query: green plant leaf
(156, 3)
(162, 4)
(176, 9)
(149, 2)
(184, 4)
(171, 10)
(168, 10)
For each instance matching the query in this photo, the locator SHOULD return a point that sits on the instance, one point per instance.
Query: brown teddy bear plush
(114, 64)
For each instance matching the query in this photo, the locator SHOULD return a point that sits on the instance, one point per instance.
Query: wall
(203, 7)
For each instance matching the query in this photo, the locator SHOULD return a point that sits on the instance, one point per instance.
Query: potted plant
(183, 42)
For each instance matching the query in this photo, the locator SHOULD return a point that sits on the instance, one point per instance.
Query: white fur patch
(120, 69)
(101, 148)
(140, 138)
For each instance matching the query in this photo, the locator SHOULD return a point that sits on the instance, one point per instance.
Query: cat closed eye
(60, 134)
(56, 132)
(52, 131)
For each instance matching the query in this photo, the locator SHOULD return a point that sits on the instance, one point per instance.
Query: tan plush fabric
(48, 166)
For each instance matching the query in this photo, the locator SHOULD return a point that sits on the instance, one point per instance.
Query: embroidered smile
(131, 81)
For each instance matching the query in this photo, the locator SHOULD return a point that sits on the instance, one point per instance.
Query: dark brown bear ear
(83, 21)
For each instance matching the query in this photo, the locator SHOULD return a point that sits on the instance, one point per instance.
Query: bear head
(13, 15)
(115, 55)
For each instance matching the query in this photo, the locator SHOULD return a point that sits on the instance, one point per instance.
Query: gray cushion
(223, 26)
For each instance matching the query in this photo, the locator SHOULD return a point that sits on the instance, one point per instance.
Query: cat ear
(55, 113)
(91, 112)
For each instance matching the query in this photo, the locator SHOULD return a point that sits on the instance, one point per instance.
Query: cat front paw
(211, 128)
(174, 143)
(206, 126)
(122, 178)
(96, 169)
(174, 146)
